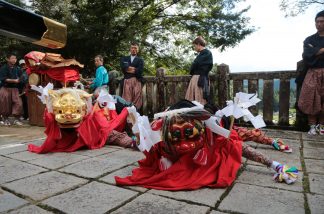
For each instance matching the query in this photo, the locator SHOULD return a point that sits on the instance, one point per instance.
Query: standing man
(198, 88)
(11, 103)
(102, 78)
(23, 87)
(132, 67)
(311, 100)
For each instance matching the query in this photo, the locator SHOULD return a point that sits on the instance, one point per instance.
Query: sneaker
(1, 122)
(312, 130)
(321, 129)
(18, 123)
(7, 123)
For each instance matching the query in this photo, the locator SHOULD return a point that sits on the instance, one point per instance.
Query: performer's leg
(254, 155)
(283, 172)
(120, 139)
(258, 136)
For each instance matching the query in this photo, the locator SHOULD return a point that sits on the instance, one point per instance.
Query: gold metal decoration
(55, 36)
(69, 106)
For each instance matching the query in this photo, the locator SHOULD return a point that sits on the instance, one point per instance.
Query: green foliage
(295, 7)
(164, 29)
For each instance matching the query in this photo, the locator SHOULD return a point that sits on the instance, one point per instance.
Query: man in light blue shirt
(102, 78)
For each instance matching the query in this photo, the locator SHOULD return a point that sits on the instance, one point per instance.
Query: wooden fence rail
(161, 90)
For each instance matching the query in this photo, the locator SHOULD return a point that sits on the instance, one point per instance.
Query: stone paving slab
(11, 170)
(25, 156)
(294, 144)
(316, 183)
(96, 152)
(57, 160)
(317, 153)
(316, 203)
(276, 133)
(9, 201)
(216, 212)
(148, 203)
(252, 144)
(31, 209)
(94, 197)
(262, 176)
(110, 178)
(12, 148)
(244, 198)
(205, 196)
(314, 166)
(91, 168)
(307, 137)
(314, 144)
(98, 166)
(44, 185)
(292, 159)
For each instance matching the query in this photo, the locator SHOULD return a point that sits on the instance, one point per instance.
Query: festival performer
(71, 121)
(183, 152)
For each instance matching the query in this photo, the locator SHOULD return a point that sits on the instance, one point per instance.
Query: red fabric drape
(223, 162)
(62, 74)
(92, 133)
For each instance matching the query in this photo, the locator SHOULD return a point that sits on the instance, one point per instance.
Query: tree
(295, 7)
(163, 28)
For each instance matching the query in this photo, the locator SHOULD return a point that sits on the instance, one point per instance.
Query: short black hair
(8, 55)
(100, 57)
(133, 43)
(320, 14)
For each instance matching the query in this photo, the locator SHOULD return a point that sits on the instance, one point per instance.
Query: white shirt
(132, 58)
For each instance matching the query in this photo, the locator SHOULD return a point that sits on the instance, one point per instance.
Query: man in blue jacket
(101, 80)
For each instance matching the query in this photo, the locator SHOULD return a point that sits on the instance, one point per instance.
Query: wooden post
(284, 95)
(301, 119)
(253, 87)
(268, 101)
(223, 72)
(160, 73)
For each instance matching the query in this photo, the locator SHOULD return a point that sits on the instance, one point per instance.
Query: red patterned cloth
(92, 132)
(223, 161)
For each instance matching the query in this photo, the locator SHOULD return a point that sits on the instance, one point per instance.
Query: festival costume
(189, 155)
(71, 123)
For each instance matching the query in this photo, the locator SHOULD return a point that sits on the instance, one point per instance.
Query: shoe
(1, 122)
(279, 145)
(320, 129)
(312, 130)
(18, 123)
(7, 123)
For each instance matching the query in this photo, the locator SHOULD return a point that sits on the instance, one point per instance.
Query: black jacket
(202, 64)
(312, 45)
(138, 63)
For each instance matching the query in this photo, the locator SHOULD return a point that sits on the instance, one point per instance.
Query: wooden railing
(161, 91)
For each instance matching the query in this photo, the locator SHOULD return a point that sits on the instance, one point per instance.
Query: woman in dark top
(311, 100)
(198, 88)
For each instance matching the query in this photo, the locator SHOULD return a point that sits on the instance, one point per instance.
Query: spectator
(132, 67)
(102, 78)
(11, 103)
(23, 87)
(311, 100)
(198, 88)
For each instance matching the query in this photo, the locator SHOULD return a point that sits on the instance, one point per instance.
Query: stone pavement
(83, 182)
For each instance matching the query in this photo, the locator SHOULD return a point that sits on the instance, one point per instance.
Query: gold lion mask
(69, 106)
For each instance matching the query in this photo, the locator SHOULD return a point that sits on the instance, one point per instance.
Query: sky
(277, 44)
